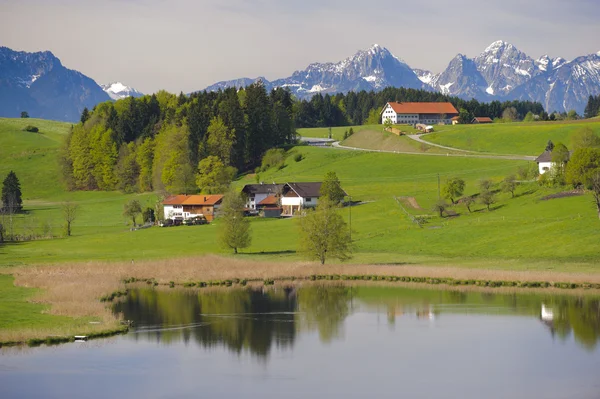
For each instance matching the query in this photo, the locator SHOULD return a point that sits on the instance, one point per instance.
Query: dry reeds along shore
(74, 289)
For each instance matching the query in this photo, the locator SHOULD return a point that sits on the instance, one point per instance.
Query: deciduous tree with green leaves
(213, 176)
(132, 209)
(509, 185)
(221, 140)
(324, 234)
(234, 228)
(453, 189)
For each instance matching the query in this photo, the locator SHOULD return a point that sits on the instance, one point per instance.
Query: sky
(186, 45)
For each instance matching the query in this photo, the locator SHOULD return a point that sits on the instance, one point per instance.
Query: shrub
(273, 157)
(30, 128)
(298, 157)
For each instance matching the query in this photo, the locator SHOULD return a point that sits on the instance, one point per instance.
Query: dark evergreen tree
(85, 115)
(11, 194)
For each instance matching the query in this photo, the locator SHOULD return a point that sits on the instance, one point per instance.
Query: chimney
(204, 199)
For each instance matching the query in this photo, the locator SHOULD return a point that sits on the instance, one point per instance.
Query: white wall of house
(389, 113)
(544, 167)
(173, 211)
(255, 199)
(300, 201)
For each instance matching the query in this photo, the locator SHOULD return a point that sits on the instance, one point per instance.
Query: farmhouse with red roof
(413, 113)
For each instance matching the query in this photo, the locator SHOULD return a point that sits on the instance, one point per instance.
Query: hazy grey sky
(185, 45)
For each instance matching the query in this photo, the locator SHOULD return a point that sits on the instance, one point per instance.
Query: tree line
(592, 109)
(358, 108)
(165, 142)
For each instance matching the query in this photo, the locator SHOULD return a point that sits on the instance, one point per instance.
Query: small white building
(422, 112)
(544, 162)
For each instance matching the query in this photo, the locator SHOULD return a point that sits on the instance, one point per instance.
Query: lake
(326, 341)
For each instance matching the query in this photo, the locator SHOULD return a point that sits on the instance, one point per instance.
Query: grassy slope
(522, 228)
(385, 141)
(509, 138)
(336, 132)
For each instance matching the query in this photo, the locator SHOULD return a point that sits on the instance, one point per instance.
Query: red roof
(423, 108)
(203, 199)
(175, 200)
(270, 200)
(483, 119)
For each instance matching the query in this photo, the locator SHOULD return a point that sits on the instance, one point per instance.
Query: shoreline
(84, 291)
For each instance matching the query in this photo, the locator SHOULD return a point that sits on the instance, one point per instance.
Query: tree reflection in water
(260, 319)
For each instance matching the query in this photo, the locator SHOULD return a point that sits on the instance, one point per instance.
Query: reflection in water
(256, 320)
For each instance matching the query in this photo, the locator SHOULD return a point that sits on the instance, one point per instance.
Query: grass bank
(62, 300)
(519, 138)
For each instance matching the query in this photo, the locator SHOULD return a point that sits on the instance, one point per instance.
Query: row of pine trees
(364, 107)
(166, 142)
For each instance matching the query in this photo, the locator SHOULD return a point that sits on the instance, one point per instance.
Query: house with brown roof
(544, 161)
(183, 207)
(482, 119)
(286, 198)
(421, 112)
(455, 120)
(256, 193)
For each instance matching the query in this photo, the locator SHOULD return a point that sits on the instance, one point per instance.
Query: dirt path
(412, 201)
(466, 154)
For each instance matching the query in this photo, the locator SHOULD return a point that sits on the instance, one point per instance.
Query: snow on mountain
(501, 72)
(118, 90)
(372, 69)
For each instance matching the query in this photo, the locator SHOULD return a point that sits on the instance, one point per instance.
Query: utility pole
(439, 192)
(350, 218)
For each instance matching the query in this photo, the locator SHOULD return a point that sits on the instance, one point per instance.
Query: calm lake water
(326, 341)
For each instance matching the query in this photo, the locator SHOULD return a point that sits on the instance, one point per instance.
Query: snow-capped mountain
(39, 84)
(500, 72)
(461, 78)
(118, 90)
(372, 69)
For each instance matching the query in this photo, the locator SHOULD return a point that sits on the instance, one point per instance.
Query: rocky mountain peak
(118, 90)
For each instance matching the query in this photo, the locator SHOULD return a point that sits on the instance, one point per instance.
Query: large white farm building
(413, 113)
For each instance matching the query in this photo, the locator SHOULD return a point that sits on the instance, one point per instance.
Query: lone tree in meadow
(234, 228)
(324, 234)
(332, 188)
(69, 211)
(440, 207)
(468, 201)
(132, 209)
(453, 189)
(509, 185)
(487, 198)
(11, 194)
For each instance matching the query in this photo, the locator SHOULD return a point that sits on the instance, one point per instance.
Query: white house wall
(544, 167)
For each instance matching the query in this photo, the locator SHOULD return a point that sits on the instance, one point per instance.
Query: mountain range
(500, 72)
(39, 84)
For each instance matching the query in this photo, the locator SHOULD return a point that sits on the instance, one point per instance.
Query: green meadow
(390, 190)
(518, 138)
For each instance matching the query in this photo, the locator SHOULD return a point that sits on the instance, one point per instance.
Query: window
(308, 199)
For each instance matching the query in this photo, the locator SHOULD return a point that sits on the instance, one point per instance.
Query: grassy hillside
(385, 141)
(509, 138)
(33, 156)
(524, 232)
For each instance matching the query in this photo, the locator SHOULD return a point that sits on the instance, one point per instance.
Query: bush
(298, 157)
(30, 128)
(273, 157)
